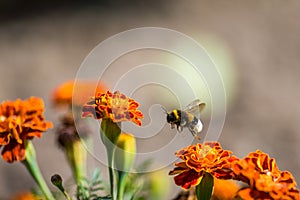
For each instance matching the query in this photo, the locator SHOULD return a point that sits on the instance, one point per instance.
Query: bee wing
(195, 107)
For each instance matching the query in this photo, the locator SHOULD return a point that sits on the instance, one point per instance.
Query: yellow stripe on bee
(176, 114)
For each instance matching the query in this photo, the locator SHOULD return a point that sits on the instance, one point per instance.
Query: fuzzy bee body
(184, 118)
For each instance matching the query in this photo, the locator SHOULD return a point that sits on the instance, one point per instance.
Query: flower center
(205, 151)
(2, 118)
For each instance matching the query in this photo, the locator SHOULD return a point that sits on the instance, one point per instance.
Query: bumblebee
(187, 118)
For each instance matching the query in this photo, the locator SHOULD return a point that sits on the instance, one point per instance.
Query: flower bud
(57, 181)
(125, 152)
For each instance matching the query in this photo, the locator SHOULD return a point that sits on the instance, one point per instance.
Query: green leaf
(89, 188)
(205, 188)
(103, 198)
(96, 183)
(96, 175)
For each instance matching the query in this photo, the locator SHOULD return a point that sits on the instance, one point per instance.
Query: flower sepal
(109, 132)
(205, 189)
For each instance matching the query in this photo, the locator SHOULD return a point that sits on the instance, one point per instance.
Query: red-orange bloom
(197, 159)
(63, 94)
(20, 121)
(115, 106)
(225, 189)
(264, 178)
(25, 196)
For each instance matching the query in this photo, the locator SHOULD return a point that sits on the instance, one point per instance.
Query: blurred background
(256, 45)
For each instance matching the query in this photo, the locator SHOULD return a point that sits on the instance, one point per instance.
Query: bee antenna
(164, 109)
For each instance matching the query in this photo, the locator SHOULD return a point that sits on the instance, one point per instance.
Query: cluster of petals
(20, 121)
(116, 106)
(197, 159)
(76, 93)
(25, 196)
(264, 178)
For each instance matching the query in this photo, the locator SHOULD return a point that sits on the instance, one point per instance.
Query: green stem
(110, 156)
(109, 134)
(33, 168)
(67, 195)
(121, 184)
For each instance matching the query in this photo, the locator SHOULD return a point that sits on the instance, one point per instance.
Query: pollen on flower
(116, 106)
(20, 121)
(197, 159)
(2, 118)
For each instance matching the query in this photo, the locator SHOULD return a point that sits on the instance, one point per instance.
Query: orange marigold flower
(264, 178)
(63, 94)
(25, 196)
(115, 106)
(20, 121)
(197, 159)
(225, 189)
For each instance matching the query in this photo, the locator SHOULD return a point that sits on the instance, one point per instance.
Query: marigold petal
(225, 189)
(223, 173)
(20, 121)
(139, 114)
(63, 94)
(188, 179)
(209, 157)
(33, 134)
(4, 138)
(247, 194)
(115, 106)
(181, 166)
(13, 152)
(26, 196)
(265, 180)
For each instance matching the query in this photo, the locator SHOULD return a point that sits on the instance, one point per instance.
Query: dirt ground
(41, 49)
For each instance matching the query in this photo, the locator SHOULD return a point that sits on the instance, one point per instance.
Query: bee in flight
(187, 118)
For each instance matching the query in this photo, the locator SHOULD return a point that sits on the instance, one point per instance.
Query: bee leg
(172, 125)
(179, 128)
(197, 137)
(194, 134)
